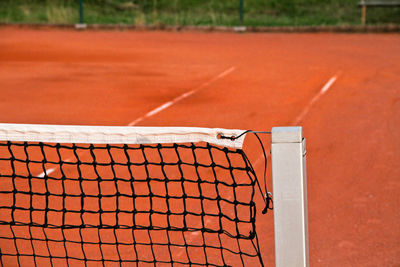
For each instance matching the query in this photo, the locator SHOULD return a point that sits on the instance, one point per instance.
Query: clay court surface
(344, 89)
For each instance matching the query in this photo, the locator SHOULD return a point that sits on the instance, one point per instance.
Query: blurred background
(195, 12)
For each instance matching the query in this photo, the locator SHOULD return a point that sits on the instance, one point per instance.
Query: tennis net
(105, 196)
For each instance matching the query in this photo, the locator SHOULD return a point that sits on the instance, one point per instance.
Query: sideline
(181, 97)
(305, 111)
(323, 91)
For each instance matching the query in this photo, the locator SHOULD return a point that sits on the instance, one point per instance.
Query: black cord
(220, 136)
(267, 196)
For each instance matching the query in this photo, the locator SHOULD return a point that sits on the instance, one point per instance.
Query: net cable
(268, 200)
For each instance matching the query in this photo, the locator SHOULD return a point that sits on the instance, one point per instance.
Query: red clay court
(344, 89)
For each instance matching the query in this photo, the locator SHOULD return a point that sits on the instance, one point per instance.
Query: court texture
(343, 89)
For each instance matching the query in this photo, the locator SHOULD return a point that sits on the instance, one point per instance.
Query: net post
(288, 154)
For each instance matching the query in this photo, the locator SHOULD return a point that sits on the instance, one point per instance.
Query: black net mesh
(107, 205)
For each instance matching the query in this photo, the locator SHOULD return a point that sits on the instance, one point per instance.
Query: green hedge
(195, 12)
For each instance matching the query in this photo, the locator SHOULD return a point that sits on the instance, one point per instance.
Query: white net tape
(118, 134)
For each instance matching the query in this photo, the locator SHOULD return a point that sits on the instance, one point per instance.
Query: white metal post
(288, 152)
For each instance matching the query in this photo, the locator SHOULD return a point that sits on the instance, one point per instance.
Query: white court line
(305, 111)
(181, 97)
(165, 106)
(323, 91)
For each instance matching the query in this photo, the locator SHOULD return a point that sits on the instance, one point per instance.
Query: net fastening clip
(232, 138)
(269, 203)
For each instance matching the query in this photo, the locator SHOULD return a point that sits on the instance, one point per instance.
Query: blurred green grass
(195, 12)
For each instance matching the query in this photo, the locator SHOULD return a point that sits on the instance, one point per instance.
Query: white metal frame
(288, 153)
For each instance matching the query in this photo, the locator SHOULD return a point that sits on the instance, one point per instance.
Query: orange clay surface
(352, 131)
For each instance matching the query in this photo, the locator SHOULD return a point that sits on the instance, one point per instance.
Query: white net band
(118, 134)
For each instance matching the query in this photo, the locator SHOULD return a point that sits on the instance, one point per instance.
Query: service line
(164, 106)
